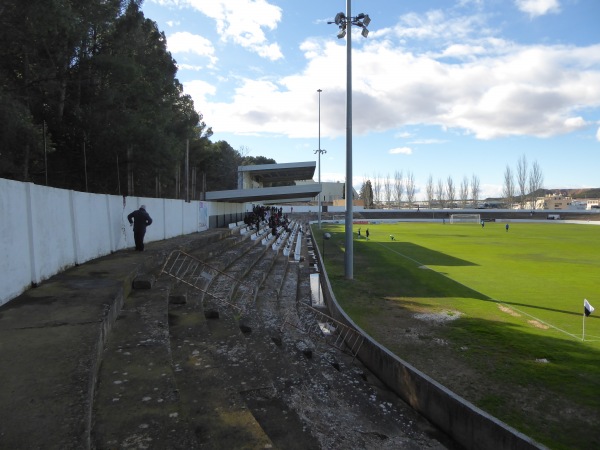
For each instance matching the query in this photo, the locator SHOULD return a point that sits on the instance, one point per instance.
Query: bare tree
(410, 188)
(450, 192)
(536, 182)
(522, 180)
(398, 187)
(464, 192)
(387, 190)
(475, 190)
(377, 188)
(508, 190)
(439, 192)
(430, 191)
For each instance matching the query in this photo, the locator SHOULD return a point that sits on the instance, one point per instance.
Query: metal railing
(199, 275)
(317, 324)
(195, 273)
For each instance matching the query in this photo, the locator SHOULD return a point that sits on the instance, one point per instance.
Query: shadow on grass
(424, 255)
(543, 385)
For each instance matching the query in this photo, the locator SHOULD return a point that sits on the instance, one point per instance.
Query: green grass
(517, 297)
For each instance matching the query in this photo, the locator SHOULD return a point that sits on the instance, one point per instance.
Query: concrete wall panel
(190, 217)
(173, 218)
(92, 234)
(15, 250)
(121, 234)
(46, 230)
(53, 237)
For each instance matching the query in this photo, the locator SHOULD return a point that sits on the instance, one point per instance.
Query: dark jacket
(140, 219)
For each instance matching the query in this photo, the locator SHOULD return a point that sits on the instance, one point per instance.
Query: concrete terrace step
(52, 339)
(210, 399)
(137, 401)
(186, 394)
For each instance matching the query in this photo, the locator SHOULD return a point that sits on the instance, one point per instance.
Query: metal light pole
(345, 23)
(320, 151)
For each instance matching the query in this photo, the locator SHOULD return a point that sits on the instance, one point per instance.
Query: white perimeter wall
(45, 230)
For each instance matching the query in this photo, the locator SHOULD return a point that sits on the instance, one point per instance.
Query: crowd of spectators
(269, 215)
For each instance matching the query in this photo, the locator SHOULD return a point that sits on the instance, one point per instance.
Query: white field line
(493, 299)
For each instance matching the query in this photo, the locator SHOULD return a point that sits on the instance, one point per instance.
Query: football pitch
(495, 314)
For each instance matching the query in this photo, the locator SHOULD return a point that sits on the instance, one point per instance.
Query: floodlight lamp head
(366, 20)
(339, 18)
(342, 33)
(364, 32)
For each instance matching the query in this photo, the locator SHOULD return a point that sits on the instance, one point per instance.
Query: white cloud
(598, 135)
(401, 151)
(192, 67)
(243, 22)
(184, 42)
(497, 88)
(437, 24)
(575, 123)
(199, 90)
(538, 7)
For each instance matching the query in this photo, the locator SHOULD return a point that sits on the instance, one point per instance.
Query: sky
(440, 88)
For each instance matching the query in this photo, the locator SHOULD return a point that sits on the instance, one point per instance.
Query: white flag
(587, 308)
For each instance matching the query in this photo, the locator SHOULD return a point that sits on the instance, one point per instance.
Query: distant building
(559, 202)
(331, 193)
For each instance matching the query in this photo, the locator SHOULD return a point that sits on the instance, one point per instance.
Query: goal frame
(465, 218)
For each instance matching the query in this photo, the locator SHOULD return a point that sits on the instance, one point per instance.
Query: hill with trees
(89, 101)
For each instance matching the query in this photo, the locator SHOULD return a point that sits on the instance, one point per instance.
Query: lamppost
(320, 151)
(345, 22)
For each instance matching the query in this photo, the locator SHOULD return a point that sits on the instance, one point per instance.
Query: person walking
(139, 219)
(367, 234)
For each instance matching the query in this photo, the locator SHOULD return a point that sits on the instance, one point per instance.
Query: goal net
(465, 218)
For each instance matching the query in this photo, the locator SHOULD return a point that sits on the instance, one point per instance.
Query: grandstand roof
(275, 173)
(266, 174)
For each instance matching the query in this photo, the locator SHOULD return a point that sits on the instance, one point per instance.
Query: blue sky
(441, 88)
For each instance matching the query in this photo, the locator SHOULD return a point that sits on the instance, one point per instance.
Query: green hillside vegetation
(90, 101)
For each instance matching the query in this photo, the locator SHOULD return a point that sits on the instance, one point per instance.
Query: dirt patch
(537, 324)
(507, 310)
(438, 318)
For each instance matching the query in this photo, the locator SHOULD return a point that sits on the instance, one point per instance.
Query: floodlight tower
(344, 23)
(320, 151)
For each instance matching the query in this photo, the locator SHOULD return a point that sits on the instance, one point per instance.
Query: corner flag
(587, 308)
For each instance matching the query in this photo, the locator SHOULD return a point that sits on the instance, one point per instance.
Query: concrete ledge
(143, 281)
(178, 296)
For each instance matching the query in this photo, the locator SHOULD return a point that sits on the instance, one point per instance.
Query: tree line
(90, 101)
(401, 190)
(521, 187)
